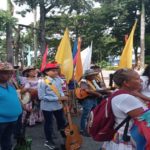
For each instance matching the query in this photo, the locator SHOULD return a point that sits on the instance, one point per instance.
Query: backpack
(101, 120)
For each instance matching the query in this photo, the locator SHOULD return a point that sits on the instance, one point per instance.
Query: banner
(64, 56)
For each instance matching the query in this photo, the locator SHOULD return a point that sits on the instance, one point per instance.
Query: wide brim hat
(16, 66)
(93, 66)
(89, 72)
(27, 69)
(5, 66)
(50, 66)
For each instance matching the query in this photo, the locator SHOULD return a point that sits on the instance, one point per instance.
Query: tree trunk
(9, 35)
(35, 38)
(9, 43)
(42, 40)
(142, 38)
(17, 45)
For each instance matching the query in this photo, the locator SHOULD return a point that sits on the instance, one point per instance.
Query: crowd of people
(29, 97)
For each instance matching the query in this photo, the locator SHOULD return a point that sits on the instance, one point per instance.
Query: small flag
(44, 59)
(86, 56)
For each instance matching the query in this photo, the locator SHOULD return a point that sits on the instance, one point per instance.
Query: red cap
(51, 66)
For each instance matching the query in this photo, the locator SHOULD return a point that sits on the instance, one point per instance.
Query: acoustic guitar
(28, 96)
(81, 94)
(74, 139)
(25, 98)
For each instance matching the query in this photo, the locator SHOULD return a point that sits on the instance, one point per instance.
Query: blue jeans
(18, 127)
(6, 131)
(87, 105)
(48, 125)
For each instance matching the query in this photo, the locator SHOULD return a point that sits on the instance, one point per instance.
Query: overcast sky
(22, 20)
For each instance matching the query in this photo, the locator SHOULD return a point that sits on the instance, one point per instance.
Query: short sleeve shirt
(122, 104)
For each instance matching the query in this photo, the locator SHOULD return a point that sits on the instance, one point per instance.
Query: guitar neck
(68, 116)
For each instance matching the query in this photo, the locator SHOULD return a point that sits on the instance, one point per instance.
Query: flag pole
(76, 108)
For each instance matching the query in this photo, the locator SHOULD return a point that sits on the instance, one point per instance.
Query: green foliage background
(106, 25)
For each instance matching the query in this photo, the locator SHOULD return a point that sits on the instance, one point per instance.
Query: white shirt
(121, 105)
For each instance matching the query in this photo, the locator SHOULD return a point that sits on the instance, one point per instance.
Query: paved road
(37, 135)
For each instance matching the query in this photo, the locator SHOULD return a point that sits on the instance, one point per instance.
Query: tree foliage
(5, 18)
(106, 26)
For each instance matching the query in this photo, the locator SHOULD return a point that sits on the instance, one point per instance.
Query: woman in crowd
(144, 92)
(124, 105)
(30, 88)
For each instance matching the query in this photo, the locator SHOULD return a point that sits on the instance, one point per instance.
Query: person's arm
(25, 87)
(93, 92)
(136, 112)
(48, 95)
(130, 105)
(44, 93)
(141, 96)
(85, 87)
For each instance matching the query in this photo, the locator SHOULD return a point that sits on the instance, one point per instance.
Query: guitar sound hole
(71, 132)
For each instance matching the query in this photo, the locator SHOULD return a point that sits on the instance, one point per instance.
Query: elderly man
(10, 106)
(90, 101)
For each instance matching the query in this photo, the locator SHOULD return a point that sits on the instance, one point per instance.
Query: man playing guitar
(90, 100)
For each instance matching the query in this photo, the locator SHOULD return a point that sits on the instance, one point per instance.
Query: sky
(29, 18)
(21, 20)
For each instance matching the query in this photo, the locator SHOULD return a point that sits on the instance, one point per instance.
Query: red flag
(126, 38)
(44, 59)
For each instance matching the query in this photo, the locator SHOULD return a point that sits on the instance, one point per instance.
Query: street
(37, 135)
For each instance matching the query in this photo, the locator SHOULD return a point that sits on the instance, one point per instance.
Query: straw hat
(89, 72)
(5, 66)
(27, 69)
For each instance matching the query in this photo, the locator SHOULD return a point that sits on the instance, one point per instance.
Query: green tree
(47, 8)
(6, 20)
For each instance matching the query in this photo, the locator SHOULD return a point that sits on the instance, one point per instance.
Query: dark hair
(26, 73)
(121, 75)
(44, 72)
(147, 73)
